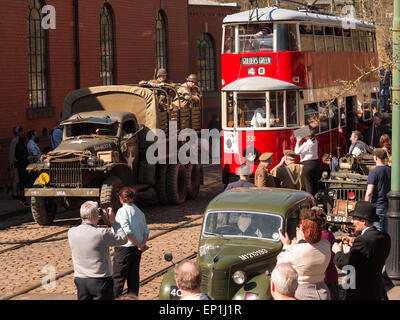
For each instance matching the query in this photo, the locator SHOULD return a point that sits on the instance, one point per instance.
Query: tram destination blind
(251, 61)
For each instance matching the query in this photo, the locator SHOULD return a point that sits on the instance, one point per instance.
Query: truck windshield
(243, 225)
(85, 128)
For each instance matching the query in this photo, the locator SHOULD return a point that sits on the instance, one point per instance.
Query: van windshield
(243, 225)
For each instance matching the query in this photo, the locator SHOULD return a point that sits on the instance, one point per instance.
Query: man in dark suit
(368, 253)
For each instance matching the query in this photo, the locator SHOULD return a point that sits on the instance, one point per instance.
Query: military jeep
(239, 241)
(104, 147)
(344, 188)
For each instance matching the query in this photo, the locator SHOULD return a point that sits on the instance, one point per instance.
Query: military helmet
(161, 72)
(192, 77)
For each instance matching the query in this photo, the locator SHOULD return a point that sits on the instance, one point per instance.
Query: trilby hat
(364, 210)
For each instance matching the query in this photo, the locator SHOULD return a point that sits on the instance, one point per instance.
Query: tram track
(64, 274)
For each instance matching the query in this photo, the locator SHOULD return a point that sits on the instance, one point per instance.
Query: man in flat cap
(243, 172)
(368, 253)
(288, 172)
(262, 176)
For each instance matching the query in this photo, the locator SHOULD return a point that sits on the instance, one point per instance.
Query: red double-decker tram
(283, 69)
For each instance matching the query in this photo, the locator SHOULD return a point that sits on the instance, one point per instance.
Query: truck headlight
(332, 194)
(46, 163)
(91, 161)
(239, 277)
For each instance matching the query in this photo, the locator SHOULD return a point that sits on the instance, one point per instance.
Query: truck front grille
(66, 174)
(343, 194)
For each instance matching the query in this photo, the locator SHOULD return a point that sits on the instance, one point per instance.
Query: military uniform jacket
(289, 176)
(367, 255)
(263, 178)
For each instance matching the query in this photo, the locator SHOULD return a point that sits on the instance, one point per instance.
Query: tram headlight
(250, 154)
(239, 277)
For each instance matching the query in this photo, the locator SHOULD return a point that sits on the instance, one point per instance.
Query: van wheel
(43, 210)
(193, 181)
(109, 195)
(176, 184)
(161, 184)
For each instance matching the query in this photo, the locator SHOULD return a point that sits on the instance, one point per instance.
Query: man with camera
(90, 252)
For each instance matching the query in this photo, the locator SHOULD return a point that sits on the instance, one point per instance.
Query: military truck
(104, 148)
(239, 242)
(344, 188)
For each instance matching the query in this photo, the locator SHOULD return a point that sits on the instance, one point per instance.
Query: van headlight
(239, 277)
(91, 161)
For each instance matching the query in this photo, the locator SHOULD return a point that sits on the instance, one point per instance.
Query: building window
(206, 63)
(106, 46)
(37, 52)
(161, 42)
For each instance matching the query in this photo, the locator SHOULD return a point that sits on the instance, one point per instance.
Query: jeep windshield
(91, 126)
(242, 225)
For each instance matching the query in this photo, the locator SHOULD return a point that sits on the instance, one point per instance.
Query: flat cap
(243, 170)
(265, 156)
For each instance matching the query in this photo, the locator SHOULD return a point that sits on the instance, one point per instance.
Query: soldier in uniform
(189, 90)
(288, 172)
(262, 176)
(161, 79)
(243, 172)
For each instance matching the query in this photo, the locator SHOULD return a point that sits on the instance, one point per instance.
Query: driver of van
(249, 225)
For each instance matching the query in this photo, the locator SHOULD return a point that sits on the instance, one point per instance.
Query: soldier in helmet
(288, 172)
(262, 176)
(189, 90)
(161, 79)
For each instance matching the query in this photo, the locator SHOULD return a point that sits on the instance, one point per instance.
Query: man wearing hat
(243, 172)
(262, 176)
(189, 90)
(368, 253)
(12, 169)
(161, 79)
(288, 172)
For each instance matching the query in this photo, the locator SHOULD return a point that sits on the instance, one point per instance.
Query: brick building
(52, 47)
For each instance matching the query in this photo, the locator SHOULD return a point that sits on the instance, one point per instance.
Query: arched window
(206, 63)
(37, 52)
(106, 46)
(161, 42)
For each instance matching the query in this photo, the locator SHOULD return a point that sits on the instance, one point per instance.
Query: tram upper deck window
(251, 111)
(370, 41)
(356, 40)
(334, 115)
(348, 46)
(363, 41)
(342, 111)
(338, 38)
(287, 37)
(256, 38)
(329, 39)
(229, 41)
(319, 38)
(311, 117)
(307, 37)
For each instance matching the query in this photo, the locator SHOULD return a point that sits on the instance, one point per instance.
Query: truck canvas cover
(139, 101)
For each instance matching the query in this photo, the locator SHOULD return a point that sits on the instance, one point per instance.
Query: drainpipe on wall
(77, 50)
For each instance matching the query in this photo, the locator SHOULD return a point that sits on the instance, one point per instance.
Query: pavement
(11, 207)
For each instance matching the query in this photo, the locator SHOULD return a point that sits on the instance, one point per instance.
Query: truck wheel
(176, 184)
(193, 181)
(161, 184)
(43, 210)
(109, 194)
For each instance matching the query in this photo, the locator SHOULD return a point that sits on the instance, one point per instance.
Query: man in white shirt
(260, 120)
